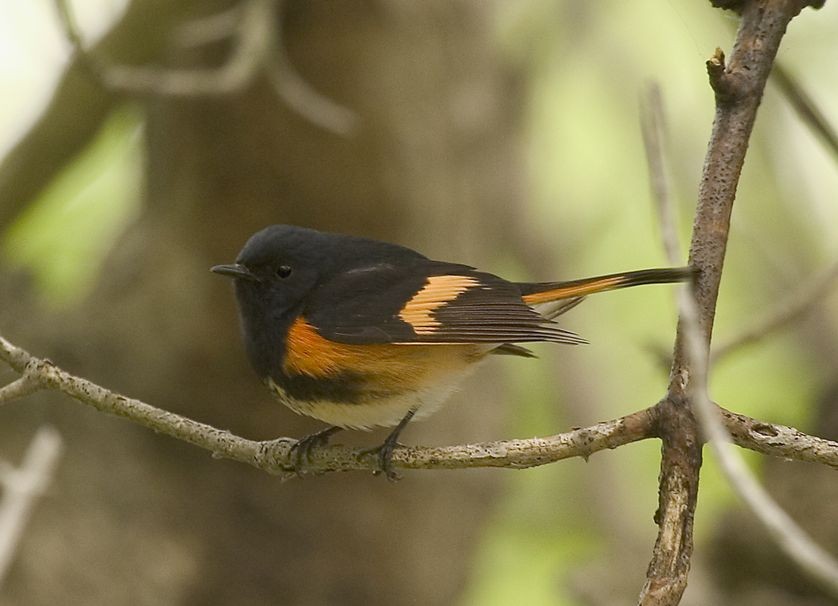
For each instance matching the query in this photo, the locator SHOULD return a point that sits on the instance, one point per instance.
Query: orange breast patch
(389, 366)
(310, 354)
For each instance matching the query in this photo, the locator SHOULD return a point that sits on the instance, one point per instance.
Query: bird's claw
(384, 454)
(301, 450)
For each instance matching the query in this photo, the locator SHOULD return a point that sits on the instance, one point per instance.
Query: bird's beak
(234, 270)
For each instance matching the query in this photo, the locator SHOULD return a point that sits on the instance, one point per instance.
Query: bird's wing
(426, 302)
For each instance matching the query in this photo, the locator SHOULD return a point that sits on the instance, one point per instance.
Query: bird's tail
(546, 292)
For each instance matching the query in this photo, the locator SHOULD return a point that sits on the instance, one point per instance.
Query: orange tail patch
(554, 291)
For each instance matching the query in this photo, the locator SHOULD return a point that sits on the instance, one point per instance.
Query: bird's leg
(385, 451)
(302, 449)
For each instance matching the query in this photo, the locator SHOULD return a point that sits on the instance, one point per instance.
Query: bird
(360, 333)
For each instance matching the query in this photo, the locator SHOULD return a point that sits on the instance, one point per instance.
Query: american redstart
(360, 333)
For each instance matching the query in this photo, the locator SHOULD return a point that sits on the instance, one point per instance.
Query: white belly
(376, 411)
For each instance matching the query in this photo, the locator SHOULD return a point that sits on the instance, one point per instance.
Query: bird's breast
(362, 386)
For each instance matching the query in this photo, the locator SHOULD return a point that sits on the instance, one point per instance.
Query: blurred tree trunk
(141, 519)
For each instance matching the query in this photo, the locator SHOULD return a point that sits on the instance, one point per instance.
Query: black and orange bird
(360, 333)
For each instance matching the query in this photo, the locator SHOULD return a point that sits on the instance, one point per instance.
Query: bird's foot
(384, 454)
(301, 451)
(385, 451)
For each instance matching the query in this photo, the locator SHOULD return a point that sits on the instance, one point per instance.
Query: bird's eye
(283, 271)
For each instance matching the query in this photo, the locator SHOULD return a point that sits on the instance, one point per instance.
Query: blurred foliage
(587, 65)
(63, 237)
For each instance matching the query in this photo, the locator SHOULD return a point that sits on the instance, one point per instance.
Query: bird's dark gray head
(280, 265)
(292, 256)
(272, 253)
(272, 275)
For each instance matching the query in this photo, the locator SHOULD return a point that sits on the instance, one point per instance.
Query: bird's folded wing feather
(426, 302)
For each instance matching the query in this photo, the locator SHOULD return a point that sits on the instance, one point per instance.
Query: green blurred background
(500, 134)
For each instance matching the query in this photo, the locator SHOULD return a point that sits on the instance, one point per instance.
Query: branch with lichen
(277, 456)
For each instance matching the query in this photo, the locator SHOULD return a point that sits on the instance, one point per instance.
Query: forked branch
(738, 86)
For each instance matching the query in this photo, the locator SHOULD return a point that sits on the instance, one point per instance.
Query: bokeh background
(500, 134)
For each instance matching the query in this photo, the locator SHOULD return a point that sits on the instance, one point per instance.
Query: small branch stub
(720, 80)
(733, 5)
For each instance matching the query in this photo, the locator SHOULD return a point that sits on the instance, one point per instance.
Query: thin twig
(213, 28)
(19, 388)
(21, 489)
(653, 128)
(801, 300)
(792, 540)
(232, 76)
(252, 42)
(255, 28)
(805, 106)
(67, 20)
(301, 97)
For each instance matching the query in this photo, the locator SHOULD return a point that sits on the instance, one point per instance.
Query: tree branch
(804, 297)
(19, 388)
(277, 456)
(739, 87)
(779, 440)
(256, 30)
(666, 576)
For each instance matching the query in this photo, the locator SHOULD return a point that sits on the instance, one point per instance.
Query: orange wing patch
(581, 289)
(438, 291)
